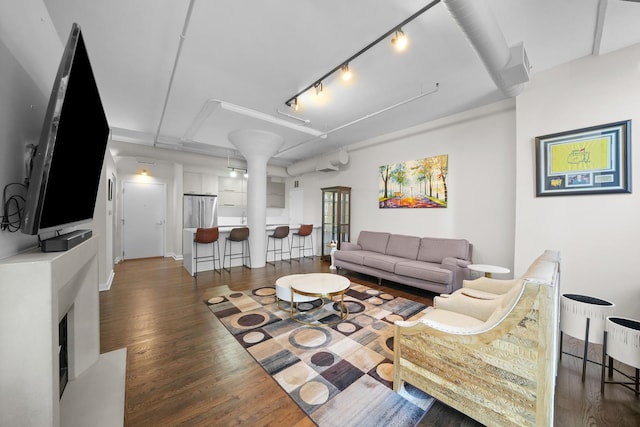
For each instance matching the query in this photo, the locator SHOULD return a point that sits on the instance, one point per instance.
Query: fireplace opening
(63, 354)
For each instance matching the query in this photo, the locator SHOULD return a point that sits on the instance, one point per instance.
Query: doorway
(143, 219)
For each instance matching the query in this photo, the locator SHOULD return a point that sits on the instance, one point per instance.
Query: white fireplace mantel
(36, 290)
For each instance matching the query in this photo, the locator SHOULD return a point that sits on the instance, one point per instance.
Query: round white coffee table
(283, 291)
(488, 270)
(320, 285)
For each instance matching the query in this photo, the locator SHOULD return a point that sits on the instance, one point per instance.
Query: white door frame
(164, 215)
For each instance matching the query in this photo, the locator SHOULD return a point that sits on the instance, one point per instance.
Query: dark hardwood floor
(184, 368)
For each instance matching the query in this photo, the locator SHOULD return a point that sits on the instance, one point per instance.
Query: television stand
(66, 241)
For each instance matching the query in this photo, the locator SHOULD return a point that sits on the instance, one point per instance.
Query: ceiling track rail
(365, 117)
(183, 36)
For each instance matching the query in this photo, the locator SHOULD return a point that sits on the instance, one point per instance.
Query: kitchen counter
(188, 246)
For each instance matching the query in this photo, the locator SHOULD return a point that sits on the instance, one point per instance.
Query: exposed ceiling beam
(597, 37)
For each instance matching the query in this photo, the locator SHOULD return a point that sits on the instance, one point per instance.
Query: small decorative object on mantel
(418, 183)
(591, 160)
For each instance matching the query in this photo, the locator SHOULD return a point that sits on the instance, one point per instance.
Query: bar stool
(280, 233)
(303, 232)
(583, 317)
(205, 236)
(622, 342)
(240, 234)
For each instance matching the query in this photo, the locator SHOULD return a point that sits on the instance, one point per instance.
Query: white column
(257, 147)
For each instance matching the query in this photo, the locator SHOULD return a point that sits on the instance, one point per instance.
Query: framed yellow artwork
(591, 160)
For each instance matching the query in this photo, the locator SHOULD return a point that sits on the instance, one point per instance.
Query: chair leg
(248, 253)
(195, 261)
(586, 347)
(604, 358)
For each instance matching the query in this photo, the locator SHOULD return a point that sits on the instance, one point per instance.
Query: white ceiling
(259, 54)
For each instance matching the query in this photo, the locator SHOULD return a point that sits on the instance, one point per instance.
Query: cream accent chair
(489, 349)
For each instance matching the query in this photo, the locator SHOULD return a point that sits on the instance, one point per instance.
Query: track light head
(318, 88)
(400, 40)
(233, 173)
(346, 72)
(294, 104)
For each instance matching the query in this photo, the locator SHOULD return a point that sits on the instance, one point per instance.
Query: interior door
(143, 219)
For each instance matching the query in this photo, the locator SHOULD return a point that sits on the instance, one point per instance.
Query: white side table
(488, 270)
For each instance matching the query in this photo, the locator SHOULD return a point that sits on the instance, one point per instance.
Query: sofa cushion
(433, 249)
(373, 241)
(354, 257)
(424, 271)
(480, 309)
(403, 246)
(382, 262)
(453, 320)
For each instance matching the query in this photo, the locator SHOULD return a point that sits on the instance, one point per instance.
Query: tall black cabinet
(336, 217)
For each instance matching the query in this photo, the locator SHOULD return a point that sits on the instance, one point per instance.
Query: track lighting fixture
(234, 172)
(346, 72)
(399, 40)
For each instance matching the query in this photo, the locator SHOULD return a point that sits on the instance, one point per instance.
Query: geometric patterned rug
(340, 375)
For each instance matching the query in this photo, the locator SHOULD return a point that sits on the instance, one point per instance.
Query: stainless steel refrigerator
(200, 211)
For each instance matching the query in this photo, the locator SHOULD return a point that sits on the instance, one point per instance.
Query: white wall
(597, 235)
(20, 124)
(481, 182)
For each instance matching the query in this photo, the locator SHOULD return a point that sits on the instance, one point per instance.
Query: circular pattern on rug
(323, 358)
(248, 320)
(373, 291)
(363, 320)
(375, 301)
(346, 327)
(389, 343)
(393, 317)
(387, 297)
(353, 306)
(314, 393)
(296, 375)
(215, 300)
(252, 319)
(236, 295)
(267, 300)
(305, 306)
(261, 292)
(385, 371)
(310, 337)
(253, 337)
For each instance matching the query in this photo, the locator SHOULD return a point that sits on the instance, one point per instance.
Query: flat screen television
(67, 165)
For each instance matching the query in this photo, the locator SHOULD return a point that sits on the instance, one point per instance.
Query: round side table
(488, 270)
(622, 343)
(583, 317)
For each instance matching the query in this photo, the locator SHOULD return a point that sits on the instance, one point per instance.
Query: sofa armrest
(494, 286)
(455, 262)
(348, 246)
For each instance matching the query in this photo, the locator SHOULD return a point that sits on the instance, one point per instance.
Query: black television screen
(67, 166)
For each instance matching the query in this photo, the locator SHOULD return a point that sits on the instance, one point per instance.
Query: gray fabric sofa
(435, 264)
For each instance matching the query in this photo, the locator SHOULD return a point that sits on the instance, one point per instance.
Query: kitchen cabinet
(199, 183)
(232, 191)
(275, 194)
(336, 217)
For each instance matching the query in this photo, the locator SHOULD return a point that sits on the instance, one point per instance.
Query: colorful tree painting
(418, 183)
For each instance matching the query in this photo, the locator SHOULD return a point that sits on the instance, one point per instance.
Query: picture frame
(592, 160)
(415, 184)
